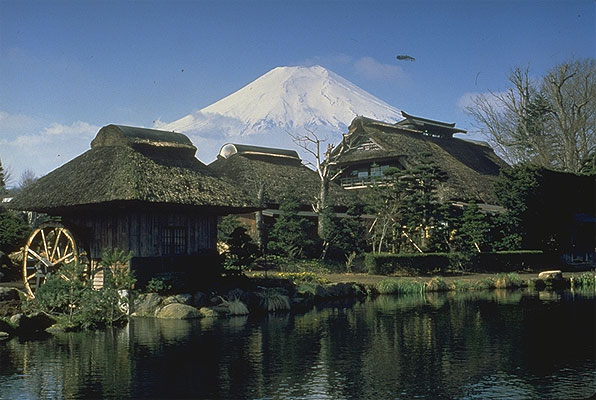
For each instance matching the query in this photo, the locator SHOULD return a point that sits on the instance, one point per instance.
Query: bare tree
(326, 165)
(549, 122)
(571, 91)
(27, 178)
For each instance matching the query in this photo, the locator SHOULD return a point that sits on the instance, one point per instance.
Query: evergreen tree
(292, 235)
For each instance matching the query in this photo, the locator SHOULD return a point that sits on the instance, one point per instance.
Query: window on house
(173, 241)
(378, 170)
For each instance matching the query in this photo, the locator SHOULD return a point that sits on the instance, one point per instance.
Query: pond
(489, 345)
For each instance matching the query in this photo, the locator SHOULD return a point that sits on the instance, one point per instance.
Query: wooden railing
(360, 182)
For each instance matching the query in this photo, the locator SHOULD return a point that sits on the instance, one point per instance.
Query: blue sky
(68, 68)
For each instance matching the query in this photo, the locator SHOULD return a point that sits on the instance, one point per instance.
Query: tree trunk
(259, 219)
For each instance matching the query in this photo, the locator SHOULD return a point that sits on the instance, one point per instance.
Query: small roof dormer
(428, 126)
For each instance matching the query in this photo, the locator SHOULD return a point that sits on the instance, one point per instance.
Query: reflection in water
(463, 345)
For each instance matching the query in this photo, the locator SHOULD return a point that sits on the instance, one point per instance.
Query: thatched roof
(132, 165)
(471, 166)
(279, 174)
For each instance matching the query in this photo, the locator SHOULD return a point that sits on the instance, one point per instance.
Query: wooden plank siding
(142, 232)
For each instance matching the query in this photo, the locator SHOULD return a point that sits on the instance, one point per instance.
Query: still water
(491, 345)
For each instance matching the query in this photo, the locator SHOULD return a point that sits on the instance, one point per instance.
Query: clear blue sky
(68, 68)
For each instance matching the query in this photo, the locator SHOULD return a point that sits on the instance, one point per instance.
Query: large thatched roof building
(277, 171)
(128, 165)
(141, 190)
(372, 146)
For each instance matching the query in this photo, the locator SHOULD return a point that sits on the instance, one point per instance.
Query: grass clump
(436, 284)
(235, 306)
(461, 285)
(586, 280)
(271, 300)
(508, 281)
(399, 286)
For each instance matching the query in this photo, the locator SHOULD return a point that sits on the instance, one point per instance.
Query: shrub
(158, 285)
(69, 296)
(399, 286)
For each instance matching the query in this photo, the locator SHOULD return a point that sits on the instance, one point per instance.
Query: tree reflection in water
(466, 345)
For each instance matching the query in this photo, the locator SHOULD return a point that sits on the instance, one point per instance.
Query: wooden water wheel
(48, 247)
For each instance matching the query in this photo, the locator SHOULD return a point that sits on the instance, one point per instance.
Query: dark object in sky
(404, 57)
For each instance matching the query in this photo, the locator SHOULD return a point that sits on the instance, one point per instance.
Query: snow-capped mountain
(285, 99)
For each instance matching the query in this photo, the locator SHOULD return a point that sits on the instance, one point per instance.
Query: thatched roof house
(141, 190)
(278, 171)
(371, 146)
(128, 165)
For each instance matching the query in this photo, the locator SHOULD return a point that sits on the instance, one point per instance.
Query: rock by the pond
(551, 279)
(36, 322)
(179, 298)
(146, 305)
(212, 312)
(8, 293)
(178, 311)
(555, 275)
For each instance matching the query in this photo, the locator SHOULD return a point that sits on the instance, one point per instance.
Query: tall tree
(325, 163)
(407, 207)
(3, 190)
(548, 122)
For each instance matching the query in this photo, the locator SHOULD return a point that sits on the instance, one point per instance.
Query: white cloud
(374, 70)
(29, 143)
(77, 128)
(467, 99)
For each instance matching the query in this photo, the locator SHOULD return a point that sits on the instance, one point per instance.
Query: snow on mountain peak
(284, 99)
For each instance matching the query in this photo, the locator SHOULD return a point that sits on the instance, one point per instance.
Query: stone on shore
(8, 293)
(179, 298)
(553, 279)
(37, 322)
(146, 305)
(551, 275)
(178, 311)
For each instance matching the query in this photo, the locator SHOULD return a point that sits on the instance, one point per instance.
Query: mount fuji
(284, 100)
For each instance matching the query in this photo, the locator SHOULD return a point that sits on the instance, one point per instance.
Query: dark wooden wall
(141, 231)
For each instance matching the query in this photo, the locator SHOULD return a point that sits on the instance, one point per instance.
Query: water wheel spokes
(46, 250)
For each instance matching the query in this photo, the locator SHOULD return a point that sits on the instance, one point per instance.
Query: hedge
(387, 263)
(510, 261)
(426, 263)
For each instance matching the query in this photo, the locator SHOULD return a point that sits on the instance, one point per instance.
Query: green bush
(69, 296)
(158, 285)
